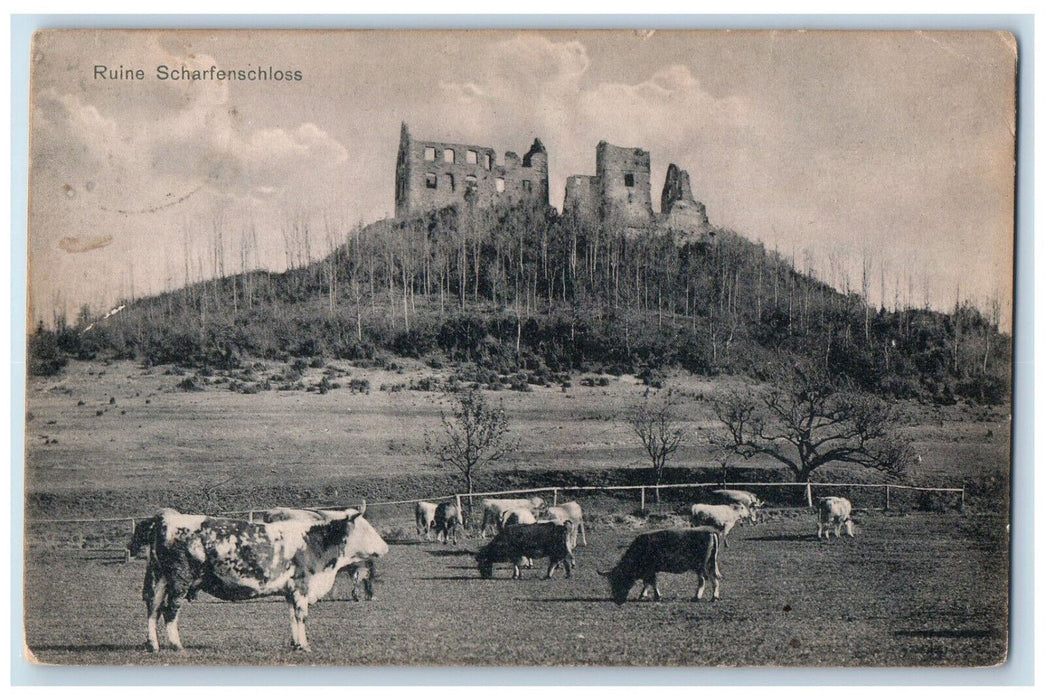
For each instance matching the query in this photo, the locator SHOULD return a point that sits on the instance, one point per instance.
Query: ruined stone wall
(582, 198)
(435, 174)
(624, 185)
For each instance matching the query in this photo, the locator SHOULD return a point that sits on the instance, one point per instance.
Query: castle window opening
(629, 179)
(499, 184)
(448, 155)
(527, 186)
(471, 182)
(431, 181)
(429, 153)
(472, 157)
(453, 186)
(487, 161)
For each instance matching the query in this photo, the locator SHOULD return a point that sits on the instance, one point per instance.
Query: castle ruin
(619, 195)
(432, 174)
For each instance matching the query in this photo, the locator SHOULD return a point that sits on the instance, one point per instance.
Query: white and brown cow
(834, 510)
(238, 560)
(362, 573)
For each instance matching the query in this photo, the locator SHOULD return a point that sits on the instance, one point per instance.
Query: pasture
(909, 590)
(114, 439)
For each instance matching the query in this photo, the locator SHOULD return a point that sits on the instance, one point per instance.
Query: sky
(895, 148)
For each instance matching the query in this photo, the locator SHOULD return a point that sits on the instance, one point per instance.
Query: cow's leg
(651, 582)
(298, 613)
(849, 528)
(154, 596)
(584, 535)
(516, 573)
(819, 530)
(368, 582)
(569, 563)
(701, 584)
(171, 609)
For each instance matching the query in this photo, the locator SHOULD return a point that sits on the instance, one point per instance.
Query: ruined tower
(624, 185)
(679, 211)
(433, 174)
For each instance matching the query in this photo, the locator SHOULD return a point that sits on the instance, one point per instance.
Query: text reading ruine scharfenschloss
(184, 73)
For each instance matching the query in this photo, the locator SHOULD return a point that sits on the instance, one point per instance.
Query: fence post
(460, 512)
(809, 494)
(642, 498)
(250, 516)
(887, 496)
(555, 497)
(963, 499)
(127, 550)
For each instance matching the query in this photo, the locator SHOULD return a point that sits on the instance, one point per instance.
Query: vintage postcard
(512, 348)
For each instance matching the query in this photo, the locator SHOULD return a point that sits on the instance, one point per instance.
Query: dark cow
(362, 573)
(447, 522)
(672, 551)
(237, 560)
(519, 541)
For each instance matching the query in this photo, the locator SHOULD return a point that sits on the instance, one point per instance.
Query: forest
(526, 289)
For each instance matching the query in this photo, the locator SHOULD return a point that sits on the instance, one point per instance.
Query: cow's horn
(603, 573)
(362, 508)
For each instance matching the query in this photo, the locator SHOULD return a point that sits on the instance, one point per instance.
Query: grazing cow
(362, 573)
(837, 511)
(447, 522)
(493, 507)
(569, 511)
(722, 518)
(537, 540)
(726, 497)
(672, 551)
(238, 560)
(424, 517)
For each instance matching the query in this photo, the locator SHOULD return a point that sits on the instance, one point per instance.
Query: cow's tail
(142, 536)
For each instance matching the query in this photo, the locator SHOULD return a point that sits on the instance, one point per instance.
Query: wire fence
(107, 538)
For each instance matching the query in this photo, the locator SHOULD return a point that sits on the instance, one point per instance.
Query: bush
(359, 385)
(190, 384)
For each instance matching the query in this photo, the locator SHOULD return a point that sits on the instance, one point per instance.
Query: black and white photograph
(557, 348)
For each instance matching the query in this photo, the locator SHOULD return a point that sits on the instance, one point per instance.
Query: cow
(722, 518)
(672, 551)
(834, 510)
(569, 511)
(360, 572)
(447, 522)
(726, 497)
(518, 516)
(238, 560)
(493, 507)
(424, 518)
(537, 540)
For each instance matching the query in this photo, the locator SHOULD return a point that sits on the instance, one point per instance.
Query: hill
(525, 290)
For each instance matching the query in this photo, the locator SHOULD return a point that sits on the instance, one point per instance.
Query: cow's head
(361, 541)
(620, 584)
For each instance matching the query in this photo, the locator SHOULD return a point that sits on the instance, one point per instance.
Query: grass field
(920, 589)
(117, 440)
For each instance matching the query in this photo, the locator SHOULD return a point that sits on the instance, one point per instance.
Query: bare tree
(656, 424)
(809, 420)
(473, 435)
